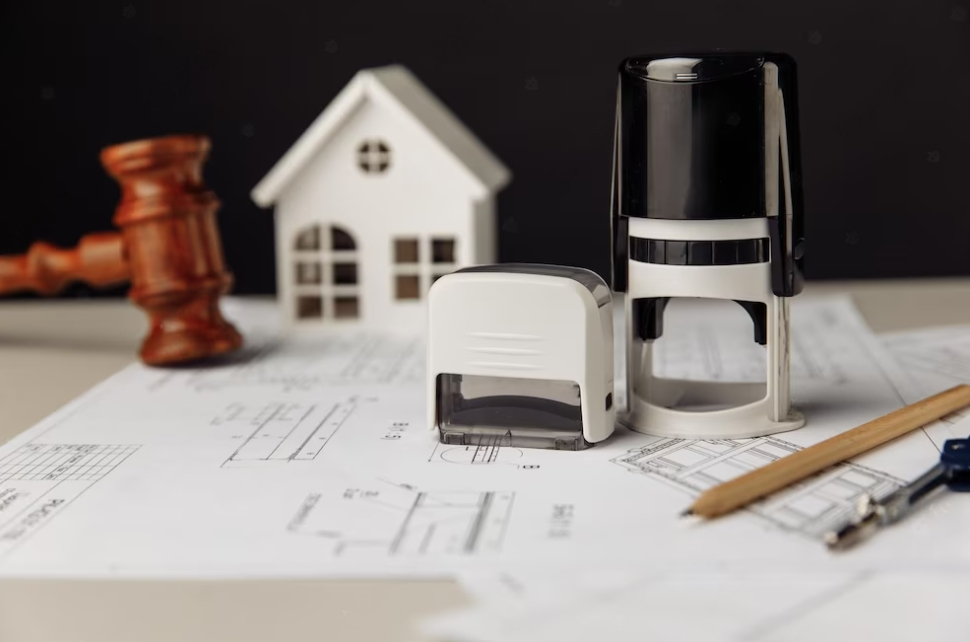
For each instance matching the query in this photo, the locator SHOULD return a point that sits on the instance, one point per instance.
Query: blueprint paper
(313, 457)
(935, 359)
(921, 606)
(661, 606)
(706, 340)
(898, 605)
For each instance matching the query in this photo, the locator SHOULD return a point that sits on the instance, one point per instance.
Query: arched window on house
(325, 275)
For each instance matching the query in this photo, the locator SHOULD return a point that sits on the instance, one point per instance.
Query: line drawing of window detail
(419, 262)
(326, 279)
(373, 156)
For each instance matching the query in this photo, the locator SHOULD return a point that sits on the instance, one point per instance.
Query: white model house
(385, 192)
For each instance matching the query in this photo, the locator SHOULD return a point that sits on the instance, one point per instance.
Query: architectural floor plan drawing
(811, 508)
(953, 426)
(885, 605)
(724, 351)
(282, 432)
(936, 359)
(494, 449)
(297, 364)
(414, 523)
(741, 359)
(276, 465)
(943, 352)
(39, 480)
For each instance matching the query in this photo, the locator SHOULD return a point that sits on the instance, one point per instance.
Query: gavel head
(167, 218)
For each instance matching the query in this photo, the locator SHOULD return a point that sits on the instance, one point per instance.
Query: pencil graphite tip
(687, 513)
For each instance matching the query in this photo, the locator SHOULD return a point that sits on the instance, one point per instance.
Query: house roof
(398, 88)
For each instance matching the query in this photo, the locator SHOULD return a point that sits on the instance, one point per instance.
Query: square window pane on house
(443, 251)
(406, 286)
(308, 239)
(345, 307)
(309, 273)
(344, 273)
(405, 250)
(309, 307)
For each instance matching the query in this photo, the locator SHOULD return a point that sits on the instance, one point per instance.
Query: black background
(884, 93)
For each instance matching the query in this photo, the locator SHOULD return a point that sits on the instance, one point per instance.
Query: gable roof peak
(395, 85)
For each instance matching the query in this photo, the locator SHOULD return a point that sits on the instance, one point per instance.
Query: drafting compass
(953, 471)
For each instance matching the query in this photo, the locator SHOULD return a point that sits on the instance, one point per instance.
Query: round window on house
(373, 156)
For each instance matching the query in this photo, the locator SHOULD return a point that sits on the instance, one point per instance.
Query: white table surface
(52, 351)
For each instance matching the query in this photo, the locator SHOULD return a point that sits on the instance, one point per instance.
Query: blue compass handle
(956, 458)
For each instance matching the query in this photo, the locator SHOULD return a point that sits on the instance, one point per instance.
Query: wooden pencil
(749, 487)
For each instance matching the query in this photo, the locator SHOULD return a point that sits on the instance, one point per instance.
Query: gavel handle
(98, 260)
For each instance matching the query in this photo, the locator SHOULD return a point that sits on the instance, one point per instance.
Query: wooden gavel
(169, 248)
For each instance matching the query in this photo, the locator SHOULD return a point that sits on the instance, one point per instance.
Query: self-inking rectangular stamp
(521, 355)
(707, 203)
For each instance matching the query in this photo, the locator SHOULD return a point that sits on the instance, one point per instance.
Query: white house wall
(485, 230)
(424, 193)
